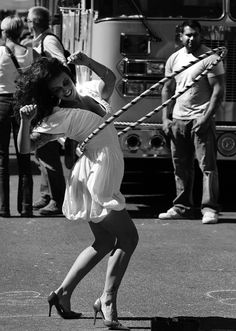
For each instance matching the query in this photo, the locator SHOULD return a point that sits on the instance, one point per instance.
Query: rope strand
(222, 50)
(175, 96)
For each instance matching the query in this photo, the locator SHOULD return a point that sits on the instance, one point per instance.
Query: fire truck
(134, 38)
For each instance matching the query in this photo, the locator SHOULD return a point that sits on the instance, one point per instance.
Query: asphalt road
(180, 268)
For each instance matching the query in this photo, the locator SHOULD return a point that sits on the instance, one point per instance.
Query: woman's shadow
(184, 323)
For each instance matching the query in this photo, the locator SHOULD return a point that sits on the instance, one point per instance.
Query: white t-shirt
(194, 102)
(8, 71)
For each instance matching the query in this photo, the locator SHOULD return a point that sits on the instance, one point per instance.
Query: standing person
(13, 58)
(52, 186)
(190, 123)
(93, 189)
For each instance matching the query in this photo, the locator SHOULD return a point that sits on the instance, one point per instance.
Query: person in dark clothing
(12, 27)
(52, 186)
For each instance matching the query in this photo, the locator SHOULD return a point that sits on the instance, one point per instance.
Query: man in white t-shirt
(191, 126)
(52, 188)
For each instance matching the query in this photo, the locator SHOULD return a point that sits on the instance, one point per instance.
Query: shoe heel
(50, 309)
(96, 310)
(95, 317)
(52, 300)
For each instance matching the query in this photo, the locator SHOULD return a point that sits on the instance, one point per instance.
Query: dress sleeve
(74, 123)
(38, 139)
(92, 89)
(57, 123)
(82, 123)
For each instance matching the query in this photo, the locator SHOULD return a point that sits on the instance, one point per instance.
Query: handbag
(70, 152)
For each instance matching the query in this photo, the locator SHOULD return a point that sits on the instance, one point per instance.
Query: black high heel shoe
(112, 325)
(53, 300)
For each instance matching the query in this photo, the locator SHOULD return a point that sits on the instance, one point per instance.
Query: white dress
(93, 187)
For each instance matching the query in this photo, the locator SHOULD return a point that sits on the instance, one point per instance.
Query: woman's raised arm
(107, 76)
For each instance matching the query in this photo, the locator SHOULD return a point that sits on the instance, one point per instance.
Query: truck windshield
(197, 9)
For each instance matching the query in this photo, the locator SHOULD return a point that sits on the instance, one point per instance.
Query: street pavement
(180, 268)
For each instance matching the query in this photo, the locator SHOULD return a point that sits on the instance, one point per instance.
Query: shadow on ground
(182, 323)
(146, 206)
(149, 207)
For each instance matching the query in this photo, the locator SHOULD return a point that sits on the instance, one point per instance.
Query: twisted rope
(176, 95)
(223, 52)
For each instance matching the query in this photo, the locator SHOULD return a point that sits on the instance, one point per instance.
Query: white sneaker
(210, 217)
(171, 214)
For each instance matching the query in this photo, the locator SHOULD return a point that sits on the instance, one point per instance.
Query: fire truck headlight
(132, 87)
(156, 91)
(157, 142)
(226, 144)
(141, 67)
(133, 142)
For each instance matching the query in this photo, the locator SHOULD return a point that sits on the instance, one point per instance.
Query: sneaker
(51, 209)
(41, 203)
(171, 214)
(210, 217)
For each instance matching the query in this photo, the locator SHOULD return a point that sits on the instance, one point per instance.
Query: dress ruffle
(93, 188)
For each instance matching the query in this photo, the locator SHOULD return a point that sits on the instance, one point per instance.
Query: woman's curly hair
(32, 87)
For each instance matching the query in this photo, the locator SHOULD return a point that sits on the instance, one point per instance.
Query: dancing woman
(52, 107)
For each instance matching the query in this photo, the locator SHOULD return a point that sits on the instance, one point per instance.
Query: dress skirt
(93, 187)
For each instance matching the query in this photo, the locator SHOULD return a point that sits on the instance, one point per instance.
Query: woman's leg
(119, 224)
(116, 233)
(87, 259)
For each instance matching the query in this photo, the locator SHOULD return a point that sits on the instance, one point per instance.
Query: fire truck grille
(230, 66)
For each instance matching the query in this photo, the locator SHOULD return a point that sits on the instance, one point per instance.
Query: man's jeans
(25, 184)
(186, 145)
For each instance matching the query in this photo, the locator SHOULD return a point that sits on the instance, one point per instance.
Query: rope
(223, 51)
(175, 96)
(141, 124)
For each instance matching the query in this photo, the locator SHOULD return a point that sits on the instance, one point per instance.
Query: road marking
(227, 297)
(20, 298)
